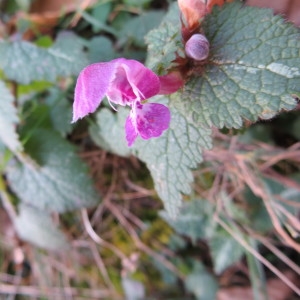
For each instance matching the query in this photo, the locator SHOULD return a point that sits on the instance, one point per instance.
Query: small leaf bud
(197, 47)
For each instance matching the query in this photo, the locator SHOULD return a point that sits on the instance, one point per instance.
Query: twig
(8, 278)
(139, 244)
(258, 256)
(277, 252)
(137, 188)
(54, 292)
(107, 196)
(134, 219)
(58, 265)
(9, 208)
(102, 267)
(256, 188)
(287, 202)
(291, 218)
(83, 6)
(96, 238)
(283, 179)
(295, 146)
(277, 225)
(281, 156)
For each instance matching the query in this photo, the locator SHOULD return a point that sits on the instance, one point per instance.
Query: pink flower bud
(197, 47)
(193, 11)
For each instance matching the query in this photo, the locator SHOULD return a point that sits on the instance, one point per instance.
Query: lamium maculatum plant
(184, 89)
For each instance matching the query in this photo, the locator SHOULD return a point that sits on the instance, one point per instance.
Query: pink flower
(126, 82)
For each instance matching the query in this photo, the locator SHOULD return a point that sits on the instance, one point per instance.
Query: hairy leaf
(164, 42)
(36, 226)
(109, 132)
(171, 157)
(58, 181)
(253, 68)
(24, 62)
(8, 119)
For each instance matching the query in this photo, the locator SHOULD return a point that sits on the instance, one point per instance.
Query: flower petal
(92, 85)
(152, 119)
(131, 132)
(144, 82)
(193, 11)
(170, 83)
(121, 91)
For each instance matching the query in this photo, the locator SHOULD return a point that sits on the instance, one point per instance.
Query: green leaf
(8, 119)
(167, 276)
(225, 251)
(137, 3)
(100, 49)
(58, 181)
(201, 283)
(120, 20)
(138, 27)
(37, 116)
(257, 132)
(194, 220)
(36, 226)
(55, 112)
(109, 133)
(171, 157)
(253, 68)
(255, 214)
(33, 88)
(24, 62)
(97, 24)
(60, 111)
(101, 13)
(164, 42)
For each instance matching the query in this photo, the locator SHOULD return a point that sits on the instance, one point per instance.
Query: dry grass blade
(260, 190)
(264, 241)
(54, 292)
(257, 255)
(139, 244)
(101, 267)
(241, 166)
(96, 238)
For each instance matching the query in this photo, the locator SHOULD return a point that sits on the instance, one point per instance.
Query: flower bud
(197, 47)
